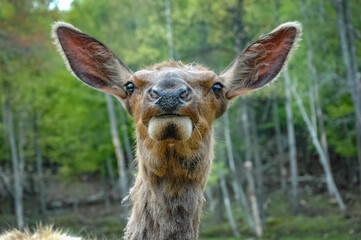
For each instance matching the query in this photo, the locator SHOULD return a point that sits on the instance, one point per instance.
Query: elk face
(174, 101)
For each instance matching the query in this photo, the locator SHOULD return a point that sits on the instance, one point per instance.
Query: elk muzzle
(168, 96)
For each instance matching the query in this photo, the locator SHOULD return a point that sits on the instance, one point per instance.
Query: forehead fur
(191, 73)
(176, 64)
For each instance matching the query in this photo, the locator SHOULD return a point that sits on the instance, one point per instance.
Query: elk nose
(169, 100)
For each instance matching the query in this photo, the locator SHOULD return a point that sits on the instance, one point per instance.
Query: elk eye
(130, 87)
(217, 88)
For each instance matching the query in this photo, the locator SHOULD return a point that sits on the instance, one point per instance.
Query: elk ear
(262, 61)
(90, 60)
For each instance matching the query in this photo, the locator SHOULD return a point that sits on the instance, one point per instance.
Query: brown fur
(168, 194)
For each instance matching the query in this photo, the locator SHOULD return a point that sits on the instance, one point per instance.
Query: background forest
(63, 144)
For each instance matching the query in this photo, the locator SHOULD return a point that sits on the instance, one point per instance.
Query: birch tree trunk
(123, 181)
(246, 131)
(124, 127)
(232, 167)
(349, 53)
(110, 171)
(291, 143)
(238, 27)
(107, 204)
(15, 166)
(283, 172)
(314, 86)
(168, 17)
(253, 199)
(323, 159)
(21, 145)
(346, 33)
(5, 184)
(21, 141)
(237, 188)
(39, 168)
(357, 81)
(259, 167)
(210, 200)
(227, 204)
(240, 41)
(312, 103)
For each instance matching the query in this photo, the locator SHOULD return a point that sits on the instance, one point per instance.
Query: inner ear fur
(90, 60)
(262, 61)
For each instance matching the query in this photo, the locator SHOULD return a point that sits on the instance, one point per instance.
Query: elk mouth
(170, 126)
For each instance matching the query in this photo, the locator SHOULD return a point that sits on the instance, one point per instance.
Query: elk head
(174, 104)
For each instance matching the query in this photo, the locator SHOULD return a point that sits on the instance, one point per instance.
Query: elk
(173, 106)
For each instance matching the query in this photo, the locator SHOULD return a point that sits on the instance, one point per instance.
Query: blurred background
(302, 133)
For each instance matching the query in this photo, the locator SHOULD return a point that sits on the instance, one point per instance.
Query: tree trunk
(107, 204)
(346, 33)
(5, 185)
(238, 27)
(246, 131)
(323, 159)
(124, 127)
(283, 172)
(219, 212)
(21, 145)
(240, 42)
(227, 204)
(210, 200)
(253, 199)
(314, 77)
(21, 142)
(39, 168)
(123, 181)
(349, 53)
(168, 17)
(321, 12)
(237, 188)
(290, 131)
(312, 102)
(110, 172)
(232, 167)
(259, 167)
(18, 202)
(357, 80)
(291, 143)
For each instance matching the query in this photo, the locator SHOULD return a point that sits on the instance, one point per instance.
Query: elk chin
(170, 127)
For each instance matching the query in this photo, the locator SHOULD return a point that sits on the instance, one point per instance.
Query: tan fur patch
(41, 233)
(181, 128)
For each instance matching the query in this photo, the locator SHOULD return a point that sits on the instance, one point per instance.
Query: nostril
(154, 93)
(183, 93)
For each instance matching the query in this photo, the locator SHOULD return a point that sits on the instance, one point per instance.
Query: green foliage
(341, 108)
(343, 140)
(7, 10)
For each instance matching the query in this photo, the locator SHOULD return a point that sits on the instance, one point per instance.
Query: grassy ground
(318, 218)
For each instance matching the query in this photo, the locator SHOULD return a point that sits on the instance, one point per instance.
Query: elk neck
(167, 197)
